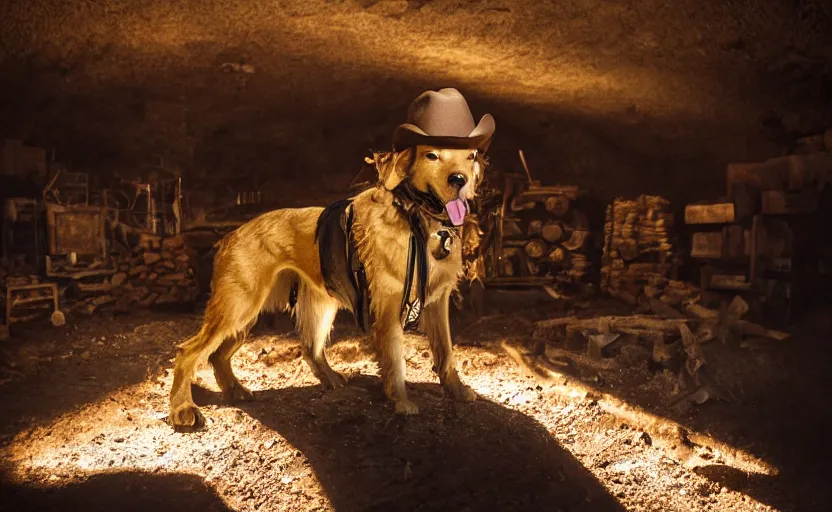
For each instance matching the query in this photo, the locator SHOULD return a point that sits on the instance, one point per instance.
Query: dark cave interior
(209, 113)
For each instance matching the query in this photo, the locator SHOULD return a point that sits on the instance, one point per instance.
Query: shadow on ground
(124, 491)
(474, 457)
(71, 368)
(773, 408)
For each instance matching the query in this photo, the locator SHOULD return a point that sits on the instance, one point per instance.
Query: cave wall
(620, 96)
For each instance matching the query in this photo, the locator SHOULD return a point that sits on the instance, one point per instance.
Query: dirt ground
(84, 408)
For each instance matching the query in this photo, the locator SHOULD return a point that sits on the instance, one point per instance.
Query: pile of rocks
(161, 272)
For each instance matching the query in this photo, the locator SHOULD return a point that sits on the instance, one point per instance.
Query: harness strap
(343, 271)
(417, 263)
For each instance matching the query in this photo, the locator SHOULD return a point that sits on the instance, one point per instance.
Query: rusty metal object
(32, 295)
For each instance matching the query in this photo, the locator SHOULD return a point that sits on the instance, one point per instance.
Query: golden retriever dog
(391, 253)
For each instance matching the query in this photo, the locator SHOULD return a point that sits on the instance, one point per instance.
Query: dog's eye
(472, 156)
(432, 156)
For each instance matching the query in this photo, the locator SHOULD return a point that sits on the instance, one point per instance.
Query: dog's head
(450, 175)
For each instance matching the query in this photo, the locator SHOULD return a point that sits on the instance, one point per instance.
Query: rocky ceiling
(623, 96)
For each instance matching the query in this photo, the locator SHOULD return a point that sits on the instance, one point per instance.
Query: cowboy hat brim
(408, 135)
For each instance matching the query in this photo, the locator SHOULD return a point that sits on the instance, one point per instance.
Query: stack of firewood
(654, 224)
(161, 273)
(637, 249)
(545, 235)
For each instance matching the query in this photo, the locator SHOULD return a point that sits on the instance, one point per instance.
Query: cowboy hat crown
(442, 118)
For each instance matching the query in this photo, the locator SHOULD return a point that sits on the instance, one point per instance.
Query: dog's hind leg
(230, 312)
(315, 312)
(389, 340)
(183, 411)
(436, 325)
(221, 362)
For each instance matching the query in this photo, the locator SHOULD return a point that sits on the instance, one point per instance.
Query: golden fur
(257, 264)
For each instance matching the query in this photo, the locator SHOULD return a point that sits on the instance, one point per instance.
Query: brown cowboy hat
(442, 118)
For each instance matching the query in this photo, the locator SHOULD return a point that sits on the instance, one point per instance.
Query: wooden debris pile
(541, 236)
(678, 338)
(747, 241)
(637, 249)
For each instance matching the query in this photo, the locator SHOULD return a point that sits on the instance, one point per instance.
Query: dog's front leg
(389, 338)
(436, 325)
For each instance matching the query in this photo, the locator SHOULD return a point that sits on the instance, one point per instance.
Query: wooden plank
(707, 245)
(519, 281)
(715, 213)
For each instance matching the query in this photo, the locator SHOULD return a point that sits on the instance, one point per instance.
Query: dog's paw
(406, 407)
(463, 393)
(334, 380)
(239, 393)
(186, 417)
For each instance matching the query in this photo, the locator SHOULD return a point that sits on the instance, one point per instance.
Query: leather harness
(343, 271)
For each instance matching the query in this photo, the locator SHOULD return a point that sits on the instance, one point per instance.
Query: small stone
(147, 301)
(135, 271)
(118, 279)
(151, 257)
(173, 242)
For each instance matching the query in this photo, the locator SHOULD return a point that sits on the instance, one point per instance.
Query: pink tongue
(456, 211)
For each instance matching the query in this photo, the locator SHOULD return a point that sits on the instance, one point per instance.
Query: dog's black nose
(457, 179)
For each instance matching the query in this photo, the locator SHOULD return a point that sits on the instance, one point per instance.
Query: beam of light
(70, 446)
(693, 449)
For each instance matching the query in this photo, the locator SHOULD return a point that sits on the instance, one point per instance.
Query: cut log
(118, 279)
(664, 310)
(557, 256)
(734, 311)
(613, 323)
(551, 232)
(557, 205)
(535, 249)
(576, 240)
(174, 242)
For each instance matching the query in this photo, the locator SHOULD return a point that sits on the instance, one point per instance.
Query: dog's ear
(481, 163)
(393, 168)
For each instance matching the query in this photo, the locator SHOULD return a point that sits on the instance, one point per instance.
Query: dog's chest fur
(382, 236)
